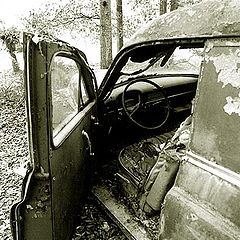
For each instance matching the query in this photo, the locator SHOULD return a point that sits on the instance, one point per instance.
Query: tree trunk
(163, 6)
(174, 5)
(11, 49)
(15, 64)
(105, 33)
(119, 24)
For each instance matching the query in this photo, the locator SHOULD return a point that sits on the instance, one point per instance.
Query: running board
(120, 214)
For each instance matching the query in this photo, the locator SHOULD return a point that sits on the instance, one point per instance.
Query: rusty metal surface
(201, 205)
(209, 18)
(216, 124)
(53, 191)
(70, 176)
(204, 202)
(37, 212)
(120, 214)
(70, 160)
(34, 212)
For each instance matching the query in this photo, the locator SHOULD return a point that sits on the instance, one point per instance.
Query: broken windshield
(178, 60)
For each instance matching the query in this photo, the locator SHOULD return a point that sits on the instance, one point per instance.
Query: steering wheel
(142, 113)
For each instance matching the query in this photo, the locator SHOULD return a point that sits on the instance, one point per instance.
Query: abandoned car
(158, 139)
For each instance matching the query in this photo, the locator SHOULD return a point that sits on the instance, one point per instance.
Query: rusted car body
(193, 188)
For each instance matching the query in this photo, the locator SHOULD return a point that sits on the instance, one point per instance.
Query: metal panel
(216, 124)
(31, 217)
(204, 202)
(53, 188)
(71, 164)
(209, 18)
(201, 205)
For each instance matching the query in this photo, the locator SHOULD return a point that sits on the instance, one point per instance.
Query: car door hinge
(41, 175)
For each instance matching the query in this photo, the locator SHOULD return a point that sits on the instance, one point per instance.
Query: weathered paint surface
(227, 65)
(232, 105)
(201, 205)
(209, 18)
(216, 126)
(57, 183)
(204, 202)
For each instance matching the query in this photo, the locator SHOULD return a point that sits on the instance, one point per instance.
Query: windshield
(178, 60)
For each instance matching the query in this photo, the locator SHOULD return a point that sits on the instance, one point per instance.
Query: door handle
(85, 134)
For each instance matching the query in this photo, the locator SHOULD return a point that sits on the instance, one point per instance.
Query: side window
(69, 94)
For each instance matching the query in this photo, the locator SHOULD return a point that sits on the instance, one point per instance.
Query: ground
(13, 155)
(13, 145)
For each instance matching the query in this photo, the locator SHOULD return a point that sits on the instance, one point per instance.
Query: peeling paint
(208, 18)
(233, 105)
(227, 67)
(209, 47)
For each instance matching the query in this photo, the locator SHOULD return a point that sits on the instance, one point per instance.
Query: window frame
(66, 130)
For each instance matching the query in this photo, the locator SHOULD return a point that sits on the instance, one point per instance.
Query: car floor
(95, 224)
(103, 215)
(122, 205)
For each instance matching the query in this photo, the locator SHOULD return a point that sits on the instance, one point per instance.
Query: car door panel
(56, 180)
(69, 177)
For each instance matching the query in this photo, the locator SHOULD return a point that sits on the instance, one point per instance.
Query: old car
(157, 142)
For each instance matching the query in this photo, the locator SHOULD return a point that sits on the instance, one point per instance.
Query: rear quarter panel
(203, 204)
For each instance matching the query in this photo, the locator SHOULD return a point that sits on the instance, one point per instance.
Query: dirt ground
(13, 156)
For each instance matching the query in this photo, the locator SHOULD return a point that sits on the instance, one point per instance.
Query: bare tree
(163, 6)
(105, 33)
(119, 16)
(10, 38)
(76, 16)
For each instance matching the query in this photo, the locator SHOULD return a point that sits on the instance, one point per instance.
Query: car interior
(148, 119)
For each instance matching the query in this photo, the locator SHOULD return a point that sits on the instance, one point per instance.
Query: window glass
(65, 75)
(182, 60)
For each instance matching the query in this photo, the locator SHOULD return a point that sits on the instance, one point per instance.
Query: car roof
(210, 18)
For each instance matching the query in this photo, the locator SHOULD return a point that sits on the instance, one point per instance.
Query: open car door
(61, 106)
